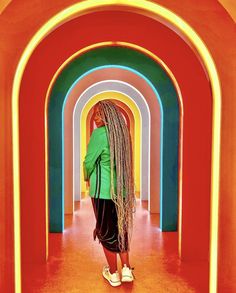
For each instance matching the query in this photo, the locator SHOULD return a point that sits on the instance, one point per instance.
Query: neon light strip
(16, 194)
(161, 14)
(137, 129)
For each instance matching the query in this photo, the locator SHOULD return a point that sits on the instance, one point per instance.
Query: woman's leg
(124, 257)
(111, 259)
(127, 271)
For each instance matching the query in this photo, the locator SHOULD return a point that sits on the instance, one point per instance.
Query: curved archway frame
(163, 15)
(124, 75)
(125, 98)
(114, 95)
(126, 113)
(168, 100)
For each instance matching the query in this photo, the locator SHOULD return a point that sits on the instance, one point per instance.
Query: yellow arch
(161, 14)
(137, 131)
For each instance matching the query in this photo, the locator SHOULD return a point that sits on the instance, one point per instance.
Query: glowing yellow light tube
(137, 130)
(161, 14)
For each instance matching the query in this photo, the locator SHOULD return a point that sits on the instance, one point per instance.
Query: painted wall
(217, 30)
(3, 5)
(230, 6)
(194, 131)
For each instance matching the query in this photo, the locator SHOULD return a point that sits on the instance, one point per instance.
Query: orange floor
(75, 260)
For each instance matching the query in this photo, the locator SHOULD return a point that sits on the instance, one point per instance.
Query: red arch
(103, 26)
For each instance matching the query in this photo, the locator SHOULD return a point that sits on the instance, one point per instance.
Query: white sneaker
(113, 279)
(127, 274)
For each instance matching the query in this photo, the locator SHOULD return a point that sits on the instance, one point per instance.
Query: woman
(108, 168)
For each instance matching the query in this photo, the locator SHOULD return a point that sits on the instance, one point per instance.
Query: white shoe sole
(127, 279)
(113, 284)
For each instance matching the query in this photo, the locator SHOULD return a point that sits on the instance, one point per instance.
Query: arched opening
(213, 77)
(135, 119)
(170, 127)
(102, 75)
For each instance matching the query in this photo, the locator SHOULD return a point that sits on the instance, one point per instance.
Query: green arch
(169, 135)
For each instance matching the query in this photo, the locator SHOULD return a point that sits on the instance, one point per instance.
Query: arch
(125, 98)
(170, 127)
(80, 114)
(139, 101)
(133, 115)
(122, 74)
(163, 15)
(85, 102)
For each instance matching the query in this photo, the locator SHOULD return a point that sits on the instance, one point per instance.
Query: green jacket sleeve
(95, 148)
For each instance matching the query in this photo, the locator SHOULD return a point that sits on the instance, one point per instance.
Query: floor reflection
(75, 260)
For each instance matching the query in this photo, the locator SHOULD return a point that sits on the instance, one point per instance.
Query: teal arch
(162, 83)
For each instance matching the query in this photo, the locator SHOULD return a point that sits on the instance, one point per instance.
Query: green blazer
(96, 165)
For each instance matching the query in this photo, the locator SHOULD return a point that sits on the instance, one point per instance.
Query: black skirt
(106, 229)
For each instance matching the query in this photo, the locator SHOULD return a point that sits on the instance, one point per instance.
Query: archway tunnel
(166, 85)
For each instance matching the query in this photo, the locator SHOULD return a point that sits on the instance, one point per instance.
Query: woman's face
(97, 116)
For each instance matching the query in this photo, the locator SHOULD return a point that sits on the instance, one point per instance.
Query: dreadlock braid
(120, 159)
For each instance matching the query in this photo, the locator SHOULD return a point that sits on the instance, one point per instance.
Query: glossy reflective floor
(75, 260)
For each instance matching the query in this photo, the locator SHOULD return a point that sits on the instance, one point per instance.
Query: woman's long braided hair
(120, 155)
